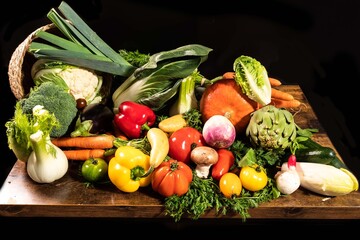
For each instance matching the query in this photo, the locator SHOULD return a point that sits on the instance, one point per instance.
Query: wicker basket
(19, 70)
(20, 65)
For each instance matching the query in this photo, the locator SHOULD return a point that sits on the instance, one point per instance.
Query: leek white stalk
(46, 162)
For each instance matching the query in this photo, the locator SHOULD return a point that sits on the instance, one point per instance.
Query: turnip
(219, 132)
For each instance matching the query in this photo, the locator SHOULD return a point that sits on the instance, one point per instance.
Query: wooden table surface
(69, 197)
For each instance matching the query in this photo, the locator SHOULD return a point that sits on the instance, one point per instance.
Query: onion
(219, 132)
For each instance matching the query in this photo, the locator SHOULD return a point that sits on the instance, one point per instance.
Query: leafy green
(135, 58)
(253, 79)
(23, 125)
(157, 81)
(204, 195)
(193, 119)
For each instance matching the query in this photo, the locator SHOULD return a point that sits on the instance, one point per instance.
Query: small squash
(226, 98)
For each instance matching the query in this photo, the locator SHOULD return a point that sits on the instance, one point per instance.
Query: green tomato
(94, 169)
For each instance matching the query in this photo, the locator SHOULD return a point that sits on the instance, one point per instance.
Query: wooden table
(68, 197)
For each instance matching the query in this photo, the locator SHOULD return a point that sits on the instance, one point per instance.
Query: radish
(219, 132)
(288, 180)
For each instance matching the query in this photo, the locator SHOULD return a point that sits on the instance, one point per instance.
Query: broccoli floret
(56, 100)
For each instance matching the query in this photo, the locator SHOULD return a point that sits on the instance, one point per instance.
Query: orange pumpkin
(225, 97)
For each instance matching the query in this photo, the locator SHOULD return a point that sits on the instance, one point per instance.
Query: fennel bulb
(46, 162)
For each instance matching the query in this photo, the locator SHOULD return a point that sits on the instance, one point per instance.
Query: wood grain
(69, 197)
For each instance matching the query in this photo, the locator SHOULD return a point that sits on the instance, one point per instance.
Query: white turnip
(219, 132)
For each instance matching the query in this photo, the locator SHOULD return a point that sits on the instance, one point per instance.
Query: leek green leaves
(83, 47)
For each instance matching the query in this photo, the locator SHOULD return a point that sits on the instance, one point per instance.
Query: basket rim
(15, 67)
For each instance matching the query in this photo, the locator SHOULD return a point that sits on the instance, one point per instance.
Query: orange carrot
(84, 154)
(102, 141)
(275, 93)
(285, 103)
(274, 82)
(228, 75)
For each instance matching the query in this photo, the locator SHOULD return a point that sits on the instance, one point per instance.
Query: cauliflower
(80, 82)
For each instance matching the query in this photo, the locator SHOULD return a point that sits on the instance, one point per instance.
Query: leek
(82, 48)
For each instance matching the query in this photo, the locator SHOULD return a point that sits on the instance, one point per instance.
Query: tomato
(182, 141)
(225, 160)
(230, 185)
(94, 169)
(171, 177)
(253, 178)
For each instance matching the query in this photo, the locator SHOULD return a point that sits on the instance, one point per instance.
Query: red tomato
(225, 160)
(182, 141)
(171, 177)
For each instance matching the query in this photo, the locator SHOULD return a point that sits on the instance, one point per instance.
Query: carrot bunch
(279, 98)
(83, 148)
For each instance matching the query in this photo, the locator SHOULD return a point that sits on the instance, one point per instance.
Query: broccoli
(56, 100)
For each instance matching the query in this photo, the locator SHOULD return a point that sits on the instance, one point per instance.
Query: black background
(311, 43)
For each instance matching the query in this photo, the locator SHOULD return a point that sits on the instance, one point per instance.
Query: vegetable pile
(226, 144)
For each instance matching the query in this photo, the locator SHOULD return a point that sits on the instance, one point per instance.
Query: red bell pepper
(134, 119)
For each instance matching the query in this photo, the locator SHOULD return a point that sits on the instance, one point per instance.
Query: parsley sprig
(204, 195)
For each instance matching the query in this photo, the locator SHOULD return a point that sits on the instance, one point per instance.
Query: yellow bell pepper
(127, 168)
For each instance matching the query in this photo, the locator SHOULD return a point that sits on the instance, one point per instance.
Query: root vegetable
(219, 132)
(288, 181)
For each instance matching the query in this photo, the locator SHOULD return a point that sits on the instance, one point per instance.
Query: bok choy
(186, 99)
(157, 81)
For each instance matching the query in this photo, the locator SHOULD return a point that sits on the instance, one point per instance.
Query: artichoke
(271, 128)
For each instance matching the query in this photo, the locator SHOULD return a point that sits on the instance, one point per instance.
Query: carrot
(229, 75)
(102, 141)
(275, 93)
(84, 154)
(274, 82)
(285, 103)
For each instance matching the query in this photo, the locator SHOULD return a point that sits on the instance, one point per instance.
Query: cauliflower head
(82, 83)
